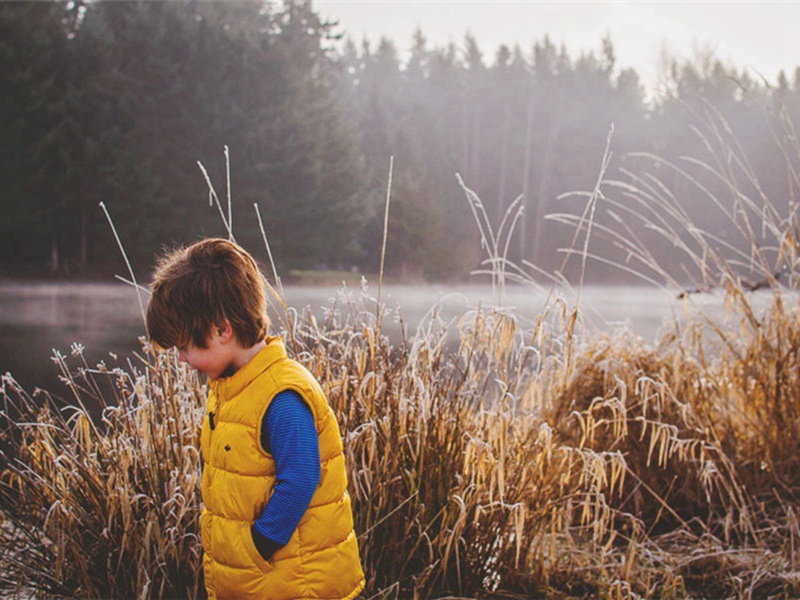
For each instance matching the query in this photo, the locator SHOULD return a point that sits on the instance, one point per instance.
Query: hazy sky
(762, 36)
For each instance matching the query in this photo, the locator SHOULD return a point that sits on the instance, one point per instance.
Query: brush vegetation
(526, 460)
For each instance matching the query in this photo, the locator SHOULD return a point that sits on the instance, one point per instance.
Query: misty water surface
(105, 318)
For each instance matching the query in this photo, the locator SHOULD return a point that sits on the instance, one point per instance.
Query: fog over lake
(36, 318)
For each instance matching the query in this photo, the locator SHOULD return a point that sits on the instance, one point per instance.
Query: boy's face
(214, 360)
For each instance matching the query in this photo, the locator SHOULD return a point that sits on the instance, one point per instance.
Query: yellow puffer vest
(321, 559)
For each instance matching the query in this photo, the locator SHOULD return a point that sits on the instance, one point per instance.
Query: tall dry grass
(100, 496)
(543, 461)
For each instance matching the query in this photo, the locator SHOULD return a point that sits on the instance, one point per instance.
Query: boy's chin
(226, 373)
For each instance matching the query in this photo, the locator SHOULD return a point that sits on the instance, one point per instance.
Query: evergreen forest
(118, 101)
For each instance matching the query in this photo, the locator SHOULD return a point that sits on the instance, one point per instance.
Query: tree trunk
(54, 261)
(84, 234)
(501, 192)
(543, 195)
(526, 176)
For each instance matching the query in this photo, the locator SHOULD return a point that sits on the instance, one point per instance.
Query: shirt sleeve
(289, 434)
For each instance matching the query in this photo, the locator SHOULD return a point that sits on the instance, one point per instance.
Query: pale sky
(763, 37)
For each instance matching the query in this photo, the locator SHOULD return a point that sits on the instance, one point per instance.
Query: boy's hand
(265, 546)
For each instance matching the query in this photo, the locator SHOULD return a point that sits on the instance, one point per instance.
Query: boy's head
(204, 285)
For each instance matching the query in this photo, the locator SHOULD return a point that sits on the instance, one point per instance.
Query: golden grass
(488, 469)
(543, 462)
(100, 498)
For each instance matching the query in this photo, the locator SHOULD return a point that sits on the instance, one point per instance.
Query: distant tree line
(117, 101)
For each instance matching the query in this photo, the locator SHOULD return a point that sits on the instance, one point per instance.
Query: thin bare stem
(383, 243)
(230, 199)
(213, 198)
(269, 252)
(127, 262)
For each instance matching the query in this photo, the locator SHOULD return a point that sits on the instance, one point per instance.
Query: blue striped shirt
(288, 433)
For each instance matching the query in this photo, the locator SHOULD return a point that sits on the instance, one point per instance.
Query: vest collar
(228, 387)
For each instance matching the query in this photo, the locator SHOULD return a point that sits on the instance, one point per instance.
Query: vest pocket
(264, 566)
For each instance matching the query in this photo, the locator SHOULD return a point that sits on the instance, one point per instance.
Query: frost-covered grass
(509, 465)
(523, 461)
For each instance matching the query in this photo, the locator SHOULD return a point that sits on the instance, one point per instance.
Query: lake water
(38, 318)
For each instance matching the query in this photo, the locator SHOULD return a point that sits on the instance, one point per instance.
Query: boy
(276, 521)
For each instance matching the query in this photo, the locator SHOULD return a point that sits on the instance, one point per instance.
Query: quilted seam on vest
(321, 559)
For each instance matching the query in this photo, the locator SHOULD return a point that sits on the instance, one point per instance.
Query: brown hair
(200, 286)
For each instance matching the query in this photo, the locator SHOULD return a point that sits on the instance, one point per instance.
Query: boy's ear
(224, 330)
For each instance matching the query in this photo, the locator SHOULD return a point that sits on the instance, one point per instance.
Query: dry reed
(519, 462)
